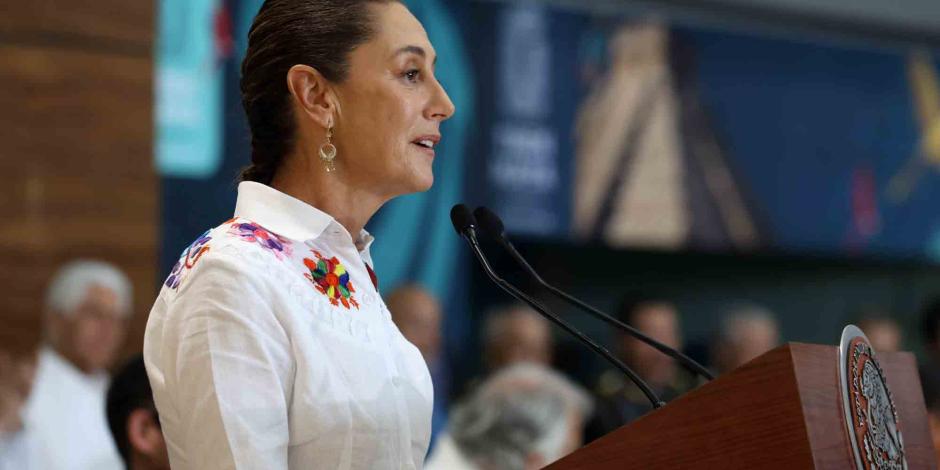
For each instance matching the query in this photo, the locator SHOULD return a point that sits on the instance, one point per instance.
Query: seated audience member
(516, 334)
(882, 331)
(16, 443)
(930, 368)
(523, 417)
(417, 314)
(133, 420)
(619, 401)
(87, 305)
(746, 331)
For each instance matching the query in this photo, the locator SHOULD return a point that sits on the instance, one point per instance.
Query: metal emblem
(871, 418)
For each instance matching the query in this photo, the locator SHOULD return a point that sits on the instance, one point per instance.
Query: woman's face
(390, 107)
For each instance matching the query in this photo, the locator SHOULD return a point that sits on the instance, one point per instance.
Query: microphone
(492, 226)
(465, 225)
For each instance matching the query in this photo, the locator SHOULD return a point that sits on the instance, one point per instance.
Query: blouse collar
(285, 215)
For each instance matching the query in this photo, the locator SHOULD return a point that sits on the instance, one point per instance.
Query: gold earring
(328, 151)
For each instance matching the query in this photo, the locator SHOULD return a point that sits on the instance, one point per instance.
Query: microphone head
(462, 219)
(491, 224)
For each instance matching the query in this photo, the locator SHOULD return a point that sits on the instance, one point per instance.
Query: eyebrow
(416, 50)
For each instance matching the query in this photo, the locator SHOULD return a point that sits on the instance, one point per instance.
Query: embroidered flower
(329, 277)
(188, 260)
(254, 233)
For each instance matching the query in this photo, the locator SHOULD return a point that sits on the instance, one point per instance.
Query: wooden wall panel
(125, 23)
(76, 164)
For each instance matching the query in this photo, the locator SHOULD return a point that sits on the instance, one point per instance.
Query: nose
(441, 108)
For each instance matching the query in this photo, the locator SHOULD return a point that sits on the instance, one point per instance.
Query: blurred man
(883, 332)
(619, 400)
(930, 368)
(747, 331)
(418, 316)
(132, 418)
(17, 448)
(523, 417)
(87, 305)
(516, 334)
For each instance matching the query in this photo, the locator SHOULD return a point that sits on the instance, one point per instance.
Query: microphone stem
(687, 361)
(654, 399)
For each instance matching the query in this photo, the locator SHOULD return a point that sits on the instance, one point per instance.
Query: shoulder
(237, 247)
(45, 399)
(220, 280)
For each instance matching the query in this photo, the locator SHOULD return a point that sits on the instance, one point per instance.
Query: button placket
(401, 408)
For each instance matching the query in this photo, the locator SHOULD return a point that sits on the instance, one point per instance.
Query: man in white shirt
(87, 305)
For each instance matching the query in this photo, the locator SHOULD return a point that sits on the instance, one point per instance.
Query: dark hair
(129, 391)
(930, 321)
(318, 33)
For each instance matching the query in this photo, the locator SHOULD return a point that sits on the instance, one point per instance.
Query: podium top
(781, 410)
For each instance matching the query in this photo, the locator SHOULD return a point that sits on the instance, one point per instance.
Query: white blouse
(270, 348)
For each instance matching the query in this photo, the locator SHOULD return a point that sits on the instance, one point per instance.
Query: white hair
(522, 410)
(70, 285)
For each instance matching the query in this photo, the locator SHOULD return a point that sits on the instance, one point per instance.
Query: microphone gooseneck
(465, 225)
(492, 226)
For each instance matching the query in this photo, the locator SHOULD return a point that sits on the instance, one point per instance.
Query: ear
(143, 433)
(312, 94)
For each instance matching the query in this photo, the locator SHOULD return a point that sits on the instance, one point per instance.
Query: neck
(304, 177)
(141, 462)
(72, 359)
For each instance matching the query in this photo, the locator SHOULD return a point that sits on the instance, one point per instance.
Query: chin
(428, 182)
(422, 184)
(101, 360)
(422, 180)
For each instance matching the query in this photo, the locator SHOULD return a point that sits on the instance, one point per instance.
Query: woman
(269, 346)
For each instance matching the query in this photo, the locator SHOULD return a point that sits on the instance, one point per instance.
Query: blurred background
(748, 169)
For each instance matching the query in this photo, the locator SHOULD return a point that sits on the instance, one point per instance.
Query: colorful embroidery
(254, 233)
(188, 260)
(329, 276)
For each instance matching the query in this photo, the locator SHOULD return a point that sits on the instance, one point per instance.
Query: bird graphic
(925, 93)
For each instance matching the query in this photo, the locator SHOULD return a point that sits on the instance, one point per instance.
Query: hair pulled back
(318, 33)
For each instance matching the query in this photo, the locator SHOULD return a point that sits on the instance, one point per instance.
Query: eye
(412, 75)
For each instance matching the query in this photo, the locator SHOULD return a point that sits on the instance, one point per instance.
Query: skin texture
(660, 321)
(388, 101)
(90, 336)
(884, 335)
(146, 439)
(522, 336)
(418, 316)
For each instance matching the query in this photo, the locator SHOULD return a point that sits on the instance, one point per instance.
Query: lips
(427, 141)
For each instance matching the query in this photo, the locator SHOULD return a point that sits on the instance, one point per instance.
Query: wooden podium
(782, 410)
